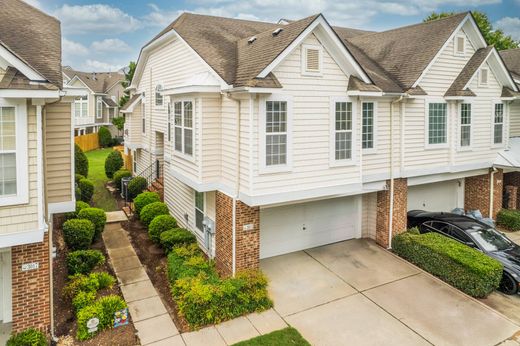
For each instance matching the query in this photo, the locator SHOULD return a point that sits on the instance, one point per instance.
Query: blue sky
(104, 35)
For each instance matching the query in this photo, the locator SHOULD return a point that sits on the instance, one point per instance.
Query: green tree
(126, 82)
(492, 36)
(119, 123)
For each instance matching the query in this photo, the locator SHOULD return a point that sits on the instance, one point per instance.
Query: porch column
(397, 219)
(477, 193)
(513, 179)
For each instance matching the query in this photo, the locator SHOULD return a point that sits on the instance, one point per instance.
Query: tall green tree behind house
(126, 82)
(492, 36)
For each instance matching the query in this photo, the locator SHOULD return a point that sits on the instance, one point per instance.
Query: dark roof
(511, 58)
(109, 102)
(404, 53)
(457, 88)
(33, 36)
(130, 102)
(506, 92)
(356, 84)
(14, 79)
(98, 82)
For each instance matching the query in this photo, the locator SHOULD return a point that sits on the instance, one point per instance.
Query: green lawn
(96, 172)
(288, 336)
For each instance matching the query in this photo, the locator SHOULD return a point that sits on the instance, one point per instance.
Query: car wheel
(508, 285)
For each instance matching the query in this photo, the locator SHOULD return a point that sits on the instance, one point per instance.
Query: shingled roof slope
(457, 87)
(98, 82)
(33, 36)
(14, 79)
(511, 58)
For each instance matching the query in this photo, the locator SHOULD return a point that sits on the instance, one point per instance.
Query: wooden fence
(87, 142)
(127, 158)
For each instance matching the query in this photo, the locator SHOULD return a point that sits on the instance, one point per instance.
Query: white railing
(78, 121)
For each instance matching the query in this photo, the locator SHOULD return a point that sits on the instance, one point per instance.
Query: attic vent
(251, 40)
(277, 31)
(313, 60)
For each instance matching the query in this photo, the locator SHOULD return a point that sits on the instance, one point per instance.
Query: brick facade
(399, 211)
(247, 241)
(476, 193)
(512, 193)
(513, 179)
(31, 289)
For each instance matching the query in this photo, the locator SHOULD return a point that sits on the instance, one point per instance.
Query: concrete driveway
(356, 293)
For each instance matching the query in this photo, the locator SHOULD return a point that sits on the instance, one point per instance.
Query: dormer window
(460, 45)
(483, 77)
(311, 60)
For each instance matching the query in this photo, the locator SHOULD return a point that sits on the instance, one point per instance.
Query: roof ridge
(235, 19)
(269, 31)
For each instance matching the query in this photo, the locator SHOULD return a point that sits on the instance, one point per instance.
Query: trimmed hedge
(122, 173)
(204, 298)
(152, 210)
(105, 137)
(28, 337)
(78, 177)
(136, 186)
(113, 163)
(160, 224)
(509, 219)
(78, 233)
(87, 189)
(457, 264)
(104, 309)
(176, 237)
(79, 206)
(143, 199)
(98, 218)
(83, 261)
(80, 161)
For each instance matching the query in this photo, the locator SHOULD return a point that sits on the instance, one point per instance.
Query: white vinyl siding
(498, 123)
(183, 111)
(437, 123)
(368, 134)
(343, 131)
(465, 125)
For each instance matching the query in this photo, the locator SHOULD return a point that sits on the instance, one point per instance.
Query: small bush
(77, 193)
(149, 212)
(79, 206)
(143, 199)
(104, 309)
(457, 264)
(82, 299)
(83, 261)
(29, 337)
(97, 216)
(136, 186)
(88, 283)
(87, 189)
(104, 280)
(159, 225)
(105, 137)
(78, 177)
(80, 161)
(509, 219)
(113, 163)
(78, 233)
(176, 237)
(122, 173)
(188, 261)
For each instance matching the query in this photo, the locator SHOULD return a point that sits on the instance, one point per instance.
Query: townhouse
(36, 162)
(277, 137)
(99, 102)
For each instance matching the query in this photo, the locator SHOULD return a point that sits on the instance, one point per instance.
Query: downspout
(237, 186)
(391, 211)
(491, 191)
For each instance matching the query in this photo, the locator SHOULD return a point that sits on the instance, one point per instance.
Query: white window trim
(504, 122)
(332, 143)
(158, 85)
(22, 159)
(480, 84)
(143, 118)
(263, 168)
(181, 154)
(169, 114)
(99, 101)
(459, 125)
(369, 151)
(427, 144)
(305, 72)
(81, 102)
(455, 40)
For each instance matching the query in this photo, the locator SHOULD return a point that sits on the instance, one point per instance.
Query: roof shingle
(458, 85)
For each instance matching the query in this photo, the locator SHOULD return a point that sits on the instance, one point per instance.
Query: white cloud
(73, 48)
(110, 45)
(100, 66)
(95, 18)
(510, 26)
(159, 17)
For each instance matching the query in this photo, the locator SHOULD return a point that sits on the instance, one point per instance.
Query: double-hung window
(276, 133)
(498, 123)
(183, 121)
(343, 131)
(81, 107)
(437, 123)
(169, 122)
(465, 125)
(368, 125)
(143, 117)
(199, 210)
(99, 107)
(158, 95)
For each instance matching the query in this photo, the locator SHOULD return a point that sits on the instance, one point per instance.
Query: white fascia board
(21, 238)
(20, 65)
(252, 90)
(365, 93)
(189, 89)
(332, 37)
(74, 91)
(20, 93)
(499, 69)
(131, 107)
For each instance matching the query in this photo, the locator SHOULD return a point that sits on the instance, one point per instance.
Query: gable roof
(98, 82)
(128, 107)
(511, 58)
(34, 37)
(458, 87)
(14, 79)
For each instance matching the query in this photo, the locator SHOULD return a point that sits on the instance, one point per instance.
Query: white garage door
(301, 226)
(442, 196)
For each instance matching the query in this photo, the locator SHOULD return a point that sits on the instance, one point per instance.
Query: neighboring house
(36, 161)
(277, 138)
(100, 104)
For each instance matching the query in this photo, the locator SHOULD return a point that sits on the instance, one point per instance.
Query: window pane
(437, 123)
(276, 150)
(199, 210)
(178, 113)
(188, 141)
(343, 116)
(498, 134)
(498, 119)
(199, 200)
(178, 138)
(465, 136)
(465, 124)
(343, 145)
(188, 114)
(276, 116)
(7, 174)
(368, 125)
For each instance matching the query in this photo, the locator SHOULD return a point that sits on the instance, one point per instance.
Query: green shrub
(87, 189)
(152, 210)
(160, 224)
(176, 237)
(77, 193)
(80, 161)
(143, 199)
(98, 218)
(104, 309)
(457, 264)
(122, 173)
(113, 163)
(188, 261)
(104, 137)
(82, 299)
(79, 206)
(83, 261)
(88, 283)
(29, 337)
(78, 177)
(78, 233)
(509, 219)
(104, 279)
(136, 186)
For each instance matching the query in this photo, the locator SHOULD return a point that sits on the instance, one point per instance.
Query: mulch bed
(64, 319)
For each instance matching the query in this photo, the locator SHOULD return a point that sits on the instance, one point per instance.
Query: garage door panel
(441, 196)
